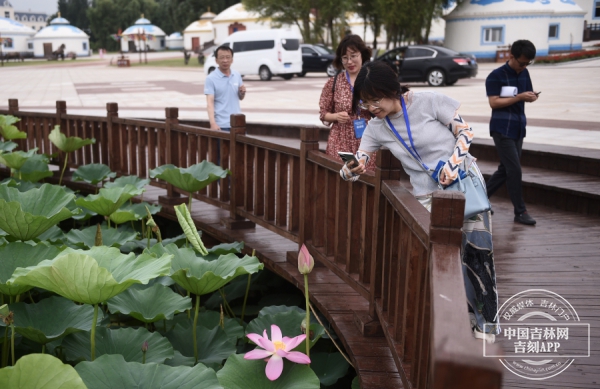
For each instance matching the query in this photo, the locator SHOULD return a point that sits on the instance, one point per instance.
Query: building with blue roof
(60, 32)
(480, 27)
(143, 35)
(15, 37)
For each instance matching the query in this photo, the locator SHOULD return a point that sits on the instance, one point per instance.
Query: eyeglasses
(353, 57)
(523, 64)
(367, 105)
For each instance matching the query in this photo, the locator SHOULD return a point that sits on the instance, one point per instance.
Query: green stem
(12, 343)
(227, 306)
(44, 349)
(307, 315)
(246, 297)
(143, 358)
(5, 348)
(93, 335)
(194, 329)
(64, 168)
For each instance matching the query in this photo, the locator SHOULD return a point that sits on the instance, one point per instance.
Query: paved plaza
(567, 113)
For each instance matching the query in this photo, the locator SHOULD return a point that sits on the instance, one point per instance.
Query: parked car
(317, 59)
(436, 65)
(268, 53)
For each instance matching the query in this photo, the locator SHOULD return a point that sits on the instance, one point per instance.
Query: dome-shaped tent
(142, 35)
(58, 33)
(15, 37)
(480, 26)
(175, 41)
(199, 32)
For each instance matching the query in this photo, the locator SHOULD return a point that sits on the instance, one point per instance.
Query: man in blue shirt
(508, 88)
(224, 89)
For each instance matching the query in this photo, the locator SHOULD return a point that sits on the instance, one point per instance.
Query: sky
(47, 6)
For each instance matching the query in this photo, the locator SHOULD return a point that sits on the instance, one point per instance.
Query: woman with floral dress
(336, 99)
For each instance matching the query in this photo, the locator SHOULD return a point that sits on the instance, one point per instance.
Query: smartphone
(347, 157)
(537, 93)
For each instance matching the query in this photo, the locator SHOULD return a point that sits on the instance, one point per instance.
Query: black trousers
(509, 170)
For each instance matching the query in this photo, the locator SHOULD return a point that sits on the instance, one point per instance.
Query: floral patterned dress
(341, 135)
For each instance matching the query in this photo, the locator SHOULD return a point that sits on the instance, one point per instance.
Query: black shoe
(524, 218)
(491, 211)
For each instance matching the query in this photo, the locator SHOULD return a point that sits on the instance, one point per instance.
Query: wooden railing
(372, 233)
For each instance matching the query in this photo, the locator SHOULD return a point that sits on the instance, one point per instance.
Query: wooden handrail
(372, 233)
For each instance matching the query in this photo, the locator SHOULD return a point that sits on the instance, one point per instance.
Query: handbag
(476, 199)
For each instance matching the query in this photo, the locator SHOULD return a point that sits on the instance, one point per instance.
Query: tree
(285, 12)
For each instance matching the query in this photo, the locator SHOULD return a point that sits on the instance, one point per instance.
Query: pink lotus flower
(275, 350)
(305, 261)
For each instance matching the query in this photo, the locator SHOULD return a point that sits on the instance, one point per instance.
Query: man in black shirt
(508, 88)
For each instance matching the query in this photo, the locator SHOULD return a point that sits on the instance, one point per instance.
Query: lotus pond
(97, 291)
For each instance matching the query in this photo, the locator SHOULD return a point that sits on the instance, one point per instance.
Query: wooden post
(309, 138)
(387, 168)
(172, 117)
(112, 128)
(455, 358)
(236, 155)
(13, 106)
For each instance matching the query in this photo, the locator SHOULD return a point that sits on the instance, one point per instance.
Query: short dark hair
(351, 41)
(376, 80)
(223, 47)
(523, 47)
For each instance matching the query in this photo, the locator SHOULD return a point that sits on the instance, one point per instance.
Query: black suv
(317, 59)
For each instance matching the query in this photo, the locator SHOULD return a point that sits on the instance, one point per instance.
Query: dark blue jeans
(509, 170)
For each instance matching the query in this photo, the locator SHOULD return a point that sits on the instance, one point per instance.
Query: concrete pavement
(567, 113)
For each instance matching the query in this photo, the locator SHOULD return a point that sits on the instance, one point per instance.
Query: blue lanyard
(411, 150)
(349, 83)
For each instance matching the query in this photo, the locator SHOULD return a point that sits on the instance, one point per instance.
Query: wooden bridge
(388, 274)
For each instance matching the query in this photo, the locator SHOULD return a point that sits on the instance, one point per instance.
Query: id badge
(359, 127)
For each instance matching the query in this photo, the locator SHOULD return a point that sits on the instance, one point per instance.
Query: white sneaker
(478, 334)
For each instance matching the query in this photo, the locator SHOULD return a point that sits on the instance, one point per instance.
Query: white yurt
(199, 32)
(175, 41)
(16, 37)
(479, 26)
(143, 35)
(236, 18)
(60, 32)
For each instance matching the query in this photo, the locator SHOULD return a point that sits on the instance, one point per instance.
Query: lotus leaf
(189, 228)
(93, 173)
(328, 367)
(110, 236)
(35, 168)
(68, 144)
(92, 276)
(16, 159)
(121, 216)
(289, 323)
(128, 180)
(239, 373)
(28, 214)
(234, 290)
(125, 341)
(200, 277)
(108, 200)
(227, 248)
(7, 146)
(51, 319)
(112, 371)
(40, 371)
(53, 234)
(355, 383)
(22, 186)
(19, 254)
(210, 319)
(214, 345)
(190, 179)
(179, 360)
(85, 214)
(149, 304)
(8, 131)
(140, 208)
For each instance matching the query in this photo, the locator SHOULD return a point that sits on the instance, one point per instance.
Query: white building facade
(143, 35)
(199, 33)
(479, 27)
(34, 20)
(175, 41)
(16, 37)
(58, 33)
